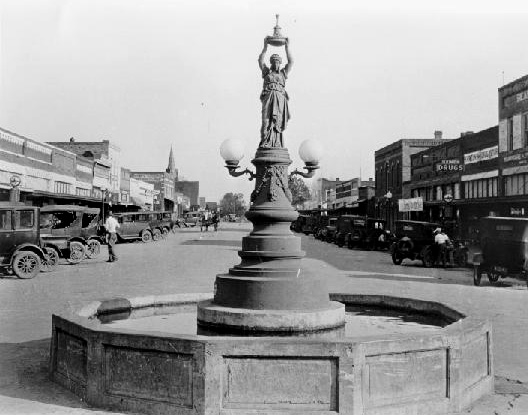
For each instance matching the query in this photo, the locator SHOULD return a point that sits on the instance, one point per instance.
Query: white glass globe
(310, 151)
(232, 149)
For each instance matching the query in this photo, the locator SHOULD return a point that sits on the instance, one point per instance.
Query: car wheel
(93, 248)
(493, 277)
(156, 235)
(165, 232)
(428, 260)
(51, 260)
(477, 275)
(26, 264)
(77, 252)
(146, 236)
(396, 259)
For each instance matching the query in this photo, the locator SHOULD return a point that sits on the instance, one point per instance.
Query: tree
(299, 190)
(233, 203)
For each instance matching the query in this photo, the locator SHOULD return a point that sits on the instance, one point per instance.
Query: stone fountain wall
(125, 370)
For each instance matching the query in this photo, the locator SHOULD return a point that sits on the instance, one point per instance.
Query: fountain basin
(437, 371)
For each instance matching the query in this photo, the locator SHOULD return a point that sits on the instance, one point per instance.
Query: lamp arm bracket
(233, 172)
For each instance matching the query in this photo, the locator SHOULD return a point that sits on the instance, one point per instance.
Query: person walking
(442, 242)
(111, 225)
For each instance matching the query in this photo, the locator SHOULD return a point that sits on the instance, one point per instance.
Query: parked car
(194, 218)
(504, 249)
(319, 228)
(414, 240)
(329, 231)
(21, 249)
(136, 225)
(369, 233)
(299, 223)
(72, 231)
(162, 222)
(344, 227)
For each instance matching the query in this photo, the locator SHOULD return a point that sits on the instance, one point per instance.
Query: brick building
(47, 174)
(393, 169)
(103, 153)
(457, 181)
(513, 146)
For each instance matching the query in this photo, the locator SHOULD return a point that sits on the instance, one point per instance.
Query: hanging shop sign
(411, 205)
(449, 165)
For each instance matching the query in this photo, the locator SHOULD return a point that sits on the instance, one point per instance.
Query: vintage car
(194, 218)
(299, 223)
(319, 227)
(73, 232)
(136, 225)
(415, 241)
(344, 228)
(329, 231)
(503, 249)
(162, 222)
(369, 233)
(21, 249)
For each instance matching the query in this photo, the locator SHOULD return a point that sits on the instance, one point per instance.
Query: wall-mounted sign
(521, 96)
(410, 205)
(517, 158)
(449, 165)
(481, 155)
(517, 211)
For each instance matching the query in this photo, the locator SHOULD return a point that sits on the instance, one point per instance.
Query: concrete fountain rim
(86, 317)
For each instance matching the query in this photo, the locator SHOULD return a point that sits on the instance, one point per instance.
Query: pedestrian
(215, 221)
(441, 242)
(205, 221)
(111, 225)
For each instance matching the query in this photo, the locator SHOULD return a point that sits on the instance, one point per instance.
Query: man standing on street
(111, 226)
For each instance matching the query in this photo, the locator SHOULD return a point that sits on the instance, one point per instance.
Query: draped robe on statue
(275, 112)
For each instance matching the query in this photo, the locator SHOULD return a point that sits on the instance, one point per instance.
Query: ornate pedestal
(268, 290)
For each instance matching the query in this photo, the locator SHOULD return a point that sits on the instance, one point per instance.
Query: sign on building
(411, 205)
(481, 155)
(449, 165)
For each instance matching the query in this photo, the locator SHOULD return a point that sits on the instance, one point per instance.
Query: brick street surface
(188, 262)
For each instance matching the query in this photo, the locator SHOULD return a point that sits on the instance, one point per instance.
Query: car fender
(76, 239)
(28, 247)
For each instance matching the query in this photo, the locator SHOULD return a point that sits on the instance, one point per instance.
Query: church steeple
(171, 167)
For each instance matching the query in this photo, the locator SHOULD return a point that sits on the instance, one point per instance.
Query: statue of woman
(274, 98)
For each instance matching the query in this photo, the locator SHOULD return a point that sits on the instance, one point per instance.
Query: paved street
(188, 262)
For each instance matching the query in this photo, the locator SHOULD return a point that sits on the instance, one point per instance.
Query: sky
(148, 75)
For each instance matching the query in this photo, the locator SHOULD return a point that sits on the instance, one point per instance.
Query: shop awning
(477, 176)
(508, 171)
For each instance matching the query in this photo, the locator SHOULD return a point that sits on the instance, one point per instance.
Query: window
(510, 134)
(5, 220)
(62, 187)
(525, 129)
(24, 219)
(456, 191)
(79, 191)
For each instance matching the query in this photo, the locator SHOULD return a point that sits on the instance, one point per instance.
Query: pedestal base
(243, 319)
